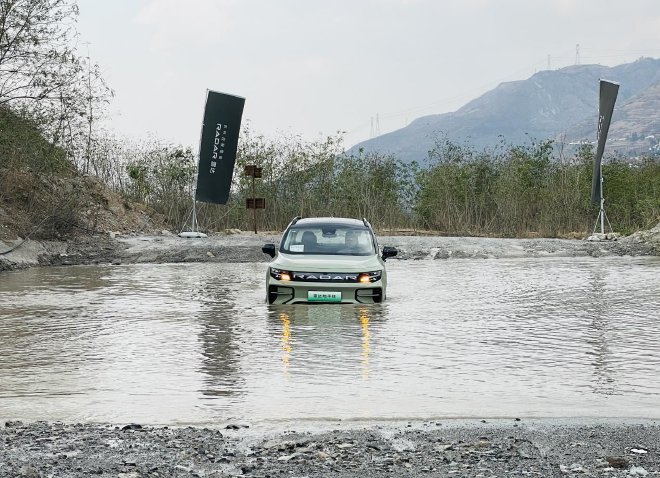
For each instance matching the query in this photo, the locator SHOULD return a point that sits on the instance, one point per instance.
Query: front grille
(340, 277)
(325, 277)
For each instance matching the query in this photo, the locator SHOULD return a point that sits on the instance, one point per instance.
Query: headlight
(367, 277)
(280, 274)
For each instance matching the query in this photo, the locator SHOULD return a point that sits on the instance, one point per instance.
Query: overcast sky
(313, 67)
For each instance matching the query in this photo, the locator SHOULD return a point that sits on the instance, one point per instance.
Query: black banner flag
(608, 93)
(217, 148)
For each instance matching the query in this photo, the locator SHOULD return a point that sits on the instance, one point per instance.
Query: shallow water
(195, 343)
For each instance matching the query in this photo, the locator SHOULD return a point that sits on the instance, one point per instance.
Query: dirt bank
(246, 247)
(479, 449)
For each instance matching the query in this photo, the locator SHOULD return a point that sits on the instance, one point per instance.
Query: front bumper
(293, 292)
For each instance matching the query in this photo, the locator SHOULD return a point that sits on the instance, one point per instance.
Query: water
(195, 344)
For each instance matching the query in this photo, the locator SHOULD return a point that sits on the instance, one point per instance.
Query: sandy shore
(485, 448)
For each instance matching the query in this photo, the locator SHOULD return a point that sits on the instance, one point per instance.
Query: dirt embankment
(475, 449)
(67, 207)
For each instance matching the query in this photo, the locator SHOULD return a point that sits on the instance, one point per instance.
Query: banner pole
(254, 195)
(194, 216)
(602, 204)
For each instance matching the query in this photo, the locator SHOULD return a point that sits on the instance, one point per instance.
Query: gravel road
(245, 247)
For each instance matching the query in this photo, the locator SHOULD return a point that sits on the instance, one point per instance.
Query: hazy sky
(313, 67)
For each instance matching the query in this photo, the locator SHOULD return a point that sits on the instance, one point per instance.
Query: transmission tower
(577, 54)
(375, 127)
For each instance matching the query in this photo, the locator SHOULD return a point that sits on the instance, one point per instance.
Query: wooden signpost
(254, 203)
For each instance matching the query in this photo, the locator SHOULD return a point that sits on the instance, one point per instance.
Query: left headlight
(280, 274)
(373, 276)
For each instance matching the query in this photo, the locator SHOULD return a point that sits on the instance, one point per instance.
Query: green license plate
(320, 296)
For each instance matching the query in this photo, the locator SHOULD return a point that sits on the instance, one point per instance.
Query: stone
(236, 426)
(617, 462)
(639, 451)
(637, 471)
(131, 426)
(28, 471)
(285, 458)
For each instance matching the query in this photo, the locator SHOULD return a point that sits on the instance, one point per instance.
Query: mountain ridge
(558, 104)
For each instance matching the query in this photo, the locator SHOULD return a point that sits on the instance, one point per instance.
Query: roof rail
(366, 223)
(295, 220)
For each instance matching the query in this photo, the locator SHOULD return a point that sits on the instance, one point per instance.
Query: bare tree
(37, 57)
(42, 75)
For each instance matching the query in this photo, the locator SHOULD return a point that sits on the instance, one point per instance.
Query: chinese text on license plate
(321, 296)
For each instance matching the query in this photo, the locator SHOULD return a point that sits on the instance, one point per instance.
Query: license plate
(321, 296)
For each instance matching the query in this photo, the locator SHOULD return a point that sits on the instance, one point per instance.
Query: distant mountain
(560, 104)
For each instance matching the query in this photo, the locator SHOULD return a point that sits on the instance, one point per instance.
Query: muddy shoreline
(245, 247)
(482, 448)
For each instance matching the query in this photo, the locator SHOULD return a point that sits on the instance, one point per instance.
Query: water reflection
(286, 339)
(341, 331)
(219, 317)
(364, 324)
(598, 307)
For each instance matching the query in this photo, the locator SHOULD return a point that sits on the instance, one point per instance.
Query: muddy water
(194, 343)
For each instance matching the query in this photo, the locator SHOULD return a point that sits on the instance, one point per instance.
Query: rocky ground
(479, 449)
(246, 247)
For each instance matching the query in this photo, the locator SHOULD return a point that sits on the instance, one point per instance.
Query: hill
(559, 104)
(43, 195)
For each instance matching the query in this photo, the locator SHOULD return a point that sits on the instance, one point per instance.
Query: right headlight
(280, 274)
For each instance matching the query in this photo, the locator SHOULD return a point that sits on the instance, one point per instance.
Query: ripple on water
(195, 343)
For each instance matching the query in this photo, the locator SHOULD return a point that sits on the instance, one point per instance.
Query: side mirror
(389, 251)
(269, 249)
